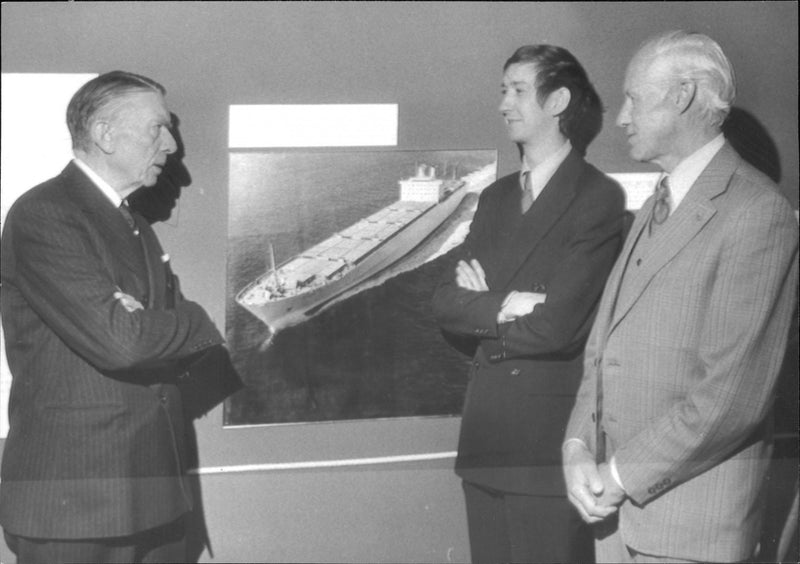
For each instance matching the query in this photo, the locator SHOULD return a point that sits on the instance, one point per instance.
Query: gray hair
(697, 57)
(98, 95)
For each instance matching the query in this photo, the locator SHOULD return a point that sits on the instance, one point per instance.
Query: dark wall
(441, 62)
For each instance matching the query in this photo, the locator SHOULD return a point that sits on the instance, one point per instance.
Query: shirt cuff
(501, 317)
(574, 440)
(615, 474)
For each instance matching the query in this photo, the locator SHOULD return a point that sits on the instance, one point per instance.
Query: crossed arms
(470, 276)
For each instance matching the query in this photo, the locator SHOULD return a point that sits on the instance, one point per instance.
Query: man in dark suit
(98, 338)
(672, 424)
(525, 290)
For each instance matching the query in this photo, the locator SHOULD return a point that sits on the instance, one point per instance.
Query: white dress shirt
(104, 186)
(689, 169)
(542, 174)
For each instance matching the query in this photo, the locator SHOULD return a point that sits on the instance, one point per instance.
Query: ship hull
(285, 312)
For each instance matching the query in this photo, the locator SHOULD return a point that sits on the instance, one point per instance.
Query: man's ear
(557, 101)
(687, 90)
(102, 136)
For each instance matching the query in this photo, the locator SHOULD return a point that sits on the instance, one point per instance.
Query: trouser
(505, 527)
(166, 543)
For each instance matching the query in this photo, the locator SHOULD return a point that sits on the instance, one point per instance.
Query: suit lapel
(156, 275)
(548, 208)
(131, 251)
(608, 302)
(674, 235)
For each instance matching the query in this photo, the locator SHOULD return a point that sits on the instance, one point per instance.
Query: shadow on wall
(751, 140)
(156, 202)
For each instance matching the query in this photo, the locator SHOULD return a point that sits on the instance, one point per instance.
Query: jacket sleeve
(55, 263)
(465, 312)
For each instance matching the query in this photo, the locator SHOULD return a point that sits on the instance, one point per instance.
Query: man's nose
(505, 103)
(623, 117)
(169, 144)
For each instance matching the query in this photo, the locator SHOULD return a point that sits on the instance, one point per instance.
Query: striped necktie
(661, 208)
(526, 200)
(126, 213)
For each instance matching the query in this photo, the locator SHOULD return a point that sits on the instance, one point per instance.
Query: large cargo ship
(290, 293)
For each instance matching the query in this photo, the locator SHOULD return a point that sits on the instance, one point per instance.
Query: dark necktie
(526, 201)
(126, 213)
(661, 207)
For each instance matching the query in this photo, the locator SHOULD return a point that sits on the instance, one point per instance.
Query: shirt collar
(689, 169)
(101, 184)
(542, 174)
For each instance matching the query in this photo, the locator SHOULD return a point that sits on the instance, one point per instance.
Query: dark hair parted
(556, 67)
(96, 95)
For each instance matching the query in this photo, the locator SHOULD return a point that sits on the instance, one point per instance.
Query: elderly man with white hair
(669, 443)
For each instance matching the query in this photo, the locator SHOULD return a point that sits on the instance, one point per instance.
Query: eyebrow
(516, 83)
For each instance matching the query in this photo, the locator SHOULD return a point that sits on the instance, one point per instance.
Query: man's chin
(637, 155)
(151, 179)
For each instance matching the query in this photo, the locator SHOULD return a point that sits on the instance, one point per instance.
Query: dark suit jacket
(525, 373)
(95, 446)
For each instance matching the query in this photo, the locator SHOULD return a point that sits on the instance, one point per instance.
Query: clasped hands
(470, 276)
(590, 486)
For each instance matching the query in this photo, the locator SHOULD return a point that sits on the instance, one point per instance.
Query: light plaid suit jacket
(690, 348)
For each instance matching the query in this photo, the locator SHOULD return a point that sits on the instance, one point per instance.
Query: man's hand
(471, 276)
(613, 494)
(130, 303)
(518, 304)
(585, 484)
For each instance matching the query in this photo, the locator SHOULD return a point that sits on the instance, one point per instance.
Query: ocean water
(376, 353)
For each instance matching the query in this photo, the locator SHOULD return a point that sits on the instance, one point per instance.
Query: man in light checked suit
(669, 442)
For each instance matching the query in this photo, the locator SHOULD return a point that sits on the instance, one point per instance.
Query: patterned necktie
(526, 201)
(126, 213)
(661, 207)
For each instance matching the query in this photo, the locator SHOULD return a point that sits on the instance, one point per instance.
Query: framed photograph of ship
(332, 261)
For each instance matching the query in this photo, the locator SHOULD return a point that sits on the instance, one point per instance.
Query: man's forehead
(647, 70)
(523, 73)
(144, 102)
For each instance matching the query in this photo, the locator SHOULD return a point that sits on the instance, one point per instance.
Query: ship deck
(326, 259)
